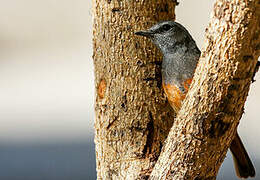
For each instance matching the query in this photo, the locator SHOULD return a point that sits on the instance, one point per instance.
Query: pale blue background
(46, 89)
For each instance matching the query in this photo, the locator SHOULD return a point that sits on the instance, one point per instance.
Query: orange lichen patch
(102, 88)
(175, 95)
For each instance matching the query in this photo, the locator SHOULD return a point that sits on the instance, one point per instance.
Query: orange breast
(175, 95)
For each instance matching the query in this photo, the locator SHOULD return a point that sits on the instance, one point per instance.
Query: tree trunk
(206, 124)
(133, 117)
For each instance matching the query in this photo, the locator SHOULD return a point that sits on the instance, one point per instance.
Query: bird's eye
(166, 27)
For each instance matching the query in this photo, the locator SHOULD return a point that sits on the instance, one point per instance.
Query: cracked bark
(205, 126)
(133, 117)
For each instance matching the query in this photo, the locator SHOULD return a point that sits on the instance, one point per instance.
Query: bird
(180, 59)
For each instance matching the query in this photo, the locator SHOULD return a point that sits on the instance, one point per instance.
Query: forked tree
(133, 118)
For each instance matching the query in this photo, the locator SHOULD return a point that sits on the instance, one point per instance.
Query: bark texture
(133, 117)
(206, 124)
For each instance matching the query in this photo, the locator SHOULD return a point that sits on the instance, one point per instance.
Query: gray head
(180, 52)
(166, 35)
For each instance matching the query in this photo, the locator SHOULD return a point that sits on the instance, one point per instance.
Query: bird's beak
(144, 33)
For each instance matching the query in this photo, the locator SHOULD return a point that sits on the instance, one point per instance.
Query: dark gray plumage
(180, 52)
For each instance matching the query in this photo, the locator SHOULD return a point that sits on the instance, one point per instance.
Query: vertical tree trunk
(132, 115)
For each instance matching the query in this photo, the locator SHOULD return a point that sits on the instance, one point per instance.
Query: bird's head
(166, 35)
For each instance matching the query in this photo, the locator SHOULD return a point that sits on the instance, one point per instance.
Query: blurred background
(47, 90)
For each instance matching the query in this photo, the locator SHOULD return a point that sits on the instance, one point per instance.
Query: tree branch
(206, 124)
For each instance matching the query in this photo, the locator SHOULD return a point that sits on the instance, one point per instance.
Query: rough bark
(133, 117)
(205, 126)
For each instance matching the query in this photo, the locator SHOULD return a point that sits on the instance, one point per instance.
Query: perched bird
(180, 58)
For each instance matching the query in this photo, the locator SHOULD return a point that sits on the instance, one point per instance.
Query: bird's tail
(243, 165)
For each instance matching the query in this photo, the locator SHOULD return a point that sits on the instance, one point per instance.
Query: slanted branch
(206, 124)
